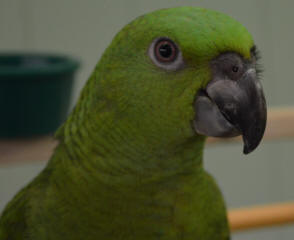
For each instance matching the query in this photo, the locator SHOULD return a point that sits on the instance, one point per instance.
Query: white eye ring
(166, 54)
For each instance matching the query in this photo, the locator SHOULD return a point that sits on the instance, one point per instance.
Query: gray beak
(228, 108)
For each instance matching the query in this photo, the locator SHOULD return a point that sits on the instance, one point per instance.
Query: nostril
(235, 69)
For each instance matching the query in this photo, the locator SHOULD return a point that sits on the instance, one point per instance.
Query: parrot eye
(165, 51)
(165, 54)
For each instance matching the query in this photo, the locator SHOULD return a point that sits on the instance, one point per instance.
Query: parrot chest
(184, 208)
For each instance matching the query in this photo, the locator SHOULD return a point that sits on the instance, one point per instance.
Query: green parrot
(129, 161)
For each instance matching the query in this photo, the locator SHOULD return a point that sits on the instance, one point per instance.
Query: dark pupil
(165, 50)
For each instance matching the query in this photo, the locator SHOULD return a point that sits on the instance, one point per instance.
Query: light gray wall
(85, 28)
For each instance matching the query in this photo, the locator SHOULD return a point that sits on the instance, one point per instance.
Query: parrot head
(184, 73)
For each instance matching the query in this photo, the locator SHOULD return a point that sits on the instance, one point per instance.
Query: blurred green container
(35, 91)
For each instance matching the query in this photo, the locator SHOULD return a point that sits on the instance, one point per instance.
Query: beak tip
(250, 146)
(246, 150)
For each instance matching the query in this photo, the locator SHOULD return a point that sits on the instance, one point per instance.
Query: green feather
(129, 165)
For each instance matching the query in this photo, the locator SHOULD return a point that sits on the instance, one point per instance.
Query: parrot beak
(228, 108)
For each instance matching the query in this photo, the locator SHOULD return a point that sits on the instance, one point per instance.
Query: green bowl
(35, 91)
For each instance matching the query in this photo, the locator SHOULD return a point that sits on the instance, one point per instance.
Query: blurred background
(83, 29)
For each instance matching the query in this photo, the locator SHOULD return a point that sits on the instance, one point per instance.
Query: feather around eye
(166, 54)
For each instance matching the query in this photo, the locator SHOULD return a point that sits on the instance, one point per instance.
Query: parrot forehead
(199, 32)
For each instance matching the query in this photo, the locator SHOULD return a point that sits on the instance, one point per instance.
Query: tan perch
(280, 126)
(261, 216)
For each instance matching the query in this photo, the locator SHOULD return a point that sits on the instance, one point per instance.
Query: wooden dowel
(18, 151)
(261, 216)
(279, 126)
